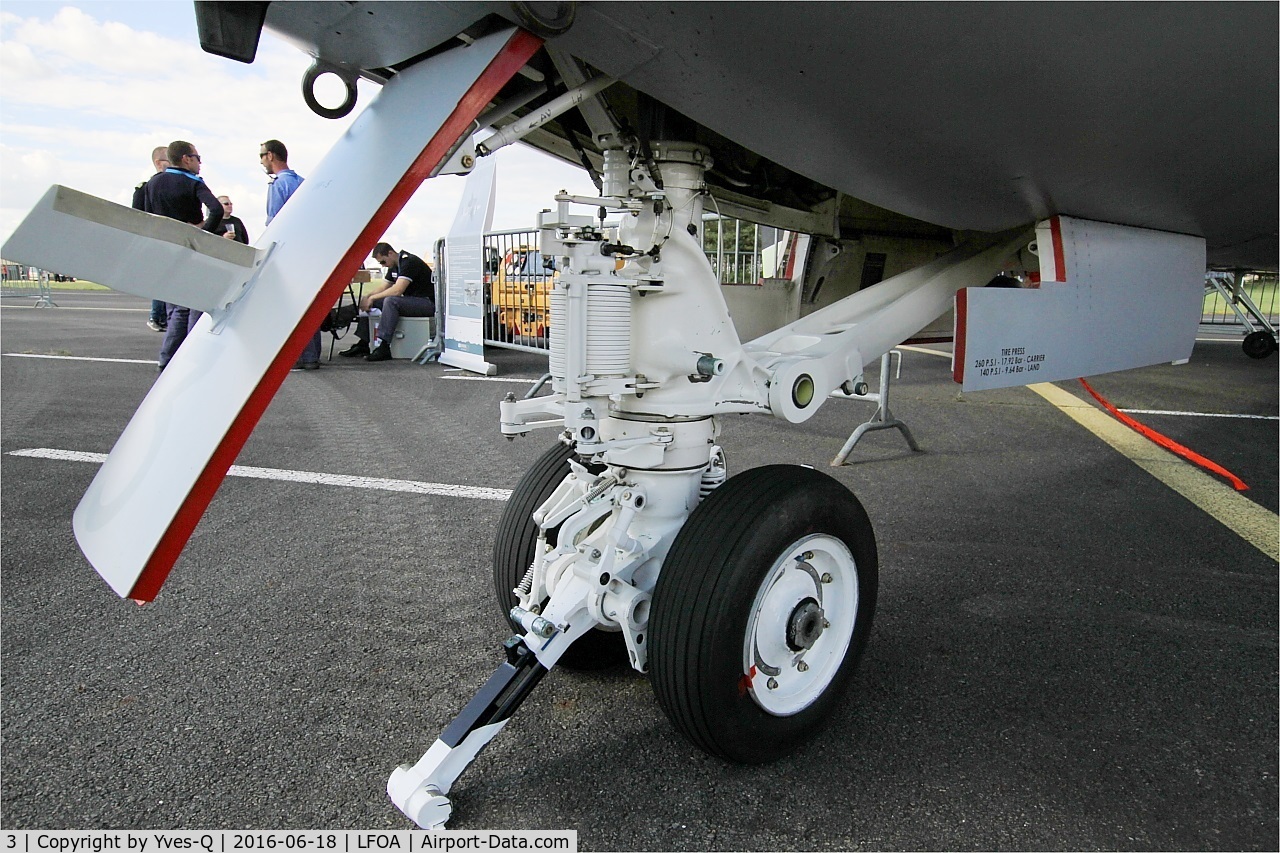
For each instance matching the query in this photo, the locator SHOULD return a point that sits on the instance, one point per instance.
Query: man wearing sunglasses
(274, 157)
(180, 193)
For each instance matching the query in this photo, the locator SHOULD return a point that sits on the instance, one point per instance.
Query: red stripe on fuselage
(510, 60)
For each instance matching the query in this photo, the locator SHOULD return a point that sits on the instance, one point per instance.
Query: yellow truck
(521, 297)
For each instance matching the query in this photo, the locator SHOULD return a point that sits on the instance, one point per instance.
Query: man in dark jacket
(160, 159)
(180, 193)
(406, 292)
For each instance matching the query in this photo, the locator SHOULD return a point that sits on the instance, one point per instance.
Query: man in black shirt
(407, 292)
(160, 160)
(180, 193)
(232, 226)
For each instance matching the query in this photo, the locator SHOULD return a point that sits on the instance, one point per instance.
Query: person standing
(232, 227)
(274, 158)
(180, 193)
(160, 159)
(407, 292)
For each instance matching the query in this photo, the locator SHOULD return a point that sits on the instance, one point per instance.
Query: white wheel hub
(801, 624)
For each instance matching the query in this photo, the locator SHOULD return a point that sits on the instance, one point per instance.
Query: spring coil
(714, 475)
(608, 344)
(526, 583)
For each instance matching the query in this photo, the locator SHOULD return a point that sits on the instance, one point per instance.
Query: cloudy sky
(91, 86)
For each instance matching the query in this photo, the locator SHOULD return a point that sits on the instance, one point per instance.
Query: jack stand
(420, 790)
(431, 352)
(46, 294)
(434, 347)
(882, 419)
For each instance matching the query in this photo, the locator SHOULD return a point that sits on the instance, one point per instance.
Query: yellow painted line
(1257, 525)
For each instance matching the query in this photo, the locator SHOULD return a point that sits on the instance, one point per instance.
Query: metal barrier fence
(22, 282)
(744, 252)
(517, 291)
(518, 277)
(1229, 297)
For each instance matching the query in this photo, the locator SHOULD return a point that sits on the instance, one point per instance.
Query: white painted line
(80, 308)
(151, 362)
(343, 480)
(1199, 414)
(492, 379)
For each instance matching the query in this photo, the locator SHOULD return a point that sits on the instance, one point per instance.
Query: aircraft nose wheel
(761, 612)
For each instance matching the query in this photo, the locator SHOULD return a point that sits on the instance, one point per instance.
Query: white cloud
(87, 97)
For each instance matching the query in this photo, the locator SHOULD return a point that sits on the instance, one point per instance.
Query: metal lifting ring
(348, 79)
(545, 19)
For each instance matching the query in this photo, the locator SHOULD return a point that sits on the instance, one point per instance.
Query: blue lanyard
(171, 170)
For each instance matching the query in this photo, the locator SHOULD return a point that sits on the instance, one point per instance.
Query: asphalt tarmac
(1067, 654)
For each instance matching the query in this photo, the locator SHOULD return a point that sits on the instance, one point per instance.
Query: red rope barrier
(1166, 442)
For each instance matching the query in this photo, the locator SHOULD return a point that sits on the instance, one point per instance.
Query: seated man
(406, 292)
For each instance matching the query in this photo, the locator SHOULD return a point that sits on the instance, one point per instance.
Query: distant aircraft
(1091, 150)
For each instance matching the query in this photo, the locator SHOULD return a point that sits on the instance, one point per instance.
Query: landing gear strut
(513, 554)
(747, 599)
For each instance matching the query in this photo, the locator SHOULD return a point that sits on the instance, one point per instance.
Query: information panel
(1112, 297)
(464, 272)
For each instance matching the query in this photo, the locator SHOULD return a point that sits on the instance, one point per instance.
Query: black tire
(513, 552)
(712, 578)
(1259, 344)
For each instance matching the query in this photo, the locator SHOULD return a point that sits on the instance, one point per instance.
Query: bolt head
(802, 666)
(772, 684)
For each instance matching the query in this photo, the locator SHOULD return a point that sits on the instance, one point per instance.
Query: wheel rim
(801, 625)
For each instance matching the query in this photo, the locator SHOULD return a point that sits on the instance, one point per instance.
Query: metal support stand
(1258, 342)
(882, 419)
(431, 352)
(1235, 297)
(334, 337)
(46, 294)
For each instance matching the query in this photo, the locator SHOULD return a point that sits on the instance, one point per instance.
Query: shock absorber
(603, 348)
